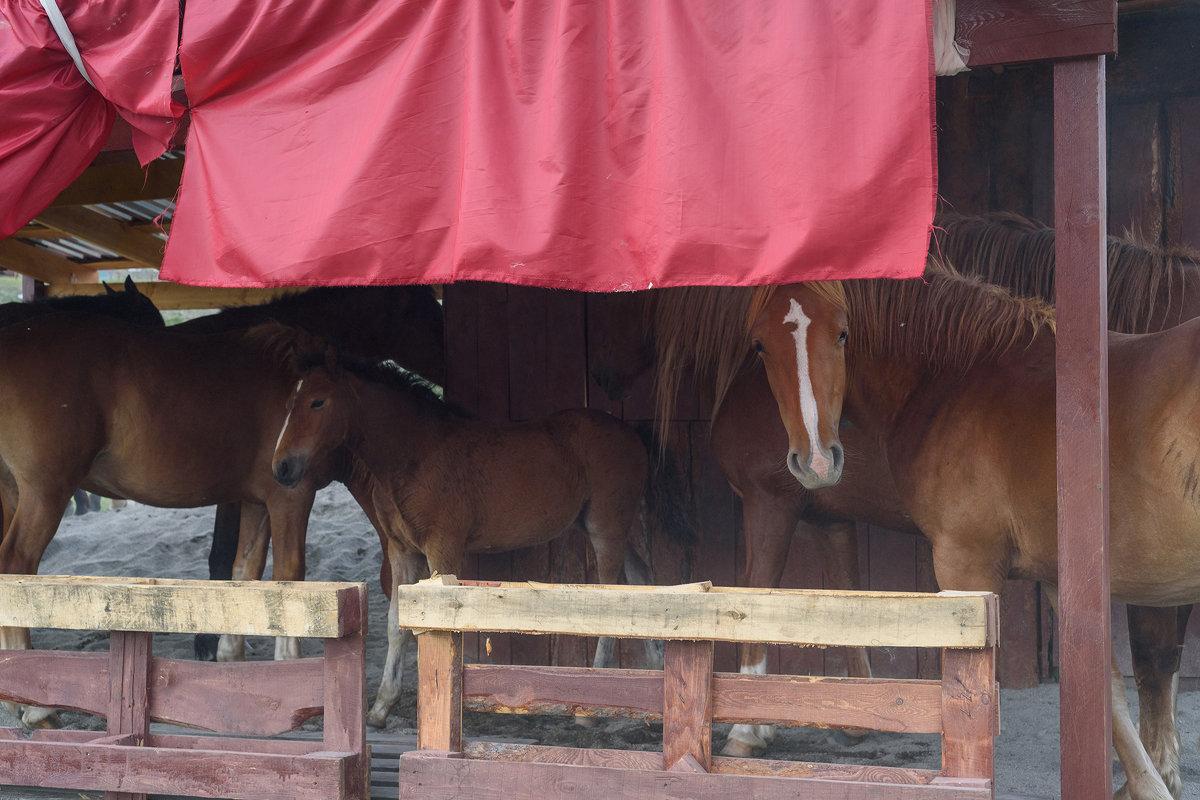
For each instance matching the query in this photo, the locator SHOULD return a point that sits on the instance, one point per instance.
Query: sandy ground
(143, 541)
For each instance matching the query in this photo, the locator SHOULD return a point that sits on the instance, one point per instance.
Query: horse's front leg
(31, 528)
(404, 567)
(253, 539)
(768, 522)
(1156, 637)
(838, 543)
(289, 529)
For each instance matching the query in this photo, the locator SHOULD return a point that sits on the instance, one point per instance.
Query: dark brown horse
(402, 323)
(165, 418)
(129, 304)
(954, 380)
(437, 485)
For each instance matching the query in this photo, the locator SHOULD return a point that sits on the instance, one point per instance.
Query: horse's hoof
(205, 646)
(36, 718)
(850, 736)
(377, 720)
(736, 748)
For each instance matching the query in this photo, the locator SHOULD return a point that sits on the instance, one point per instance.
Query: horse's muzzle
(826, 472)
(289, 471)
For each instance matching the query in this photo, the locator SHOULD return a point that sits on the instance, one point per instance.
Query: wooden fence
(130, 687)
(688, 697)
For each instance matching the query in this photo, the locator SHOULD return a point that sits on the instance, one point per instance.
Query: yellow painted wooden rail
(688, 697)
(131, 688)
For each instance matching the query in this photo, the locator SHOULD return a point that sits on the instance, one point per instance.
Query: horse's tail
(668, 511)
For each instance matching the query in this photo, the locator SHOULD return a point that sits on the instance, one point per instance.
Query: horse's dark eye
(842, 338)
(317, 404)
(758, 347)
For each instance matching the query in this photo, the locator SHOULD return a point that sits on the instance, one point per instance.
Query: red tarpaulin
(589, 145)
(52, 123)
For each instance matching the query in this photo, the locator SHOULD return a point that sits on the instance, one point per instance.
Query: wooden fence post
(129, 654)
(439, 687)
(687, 705)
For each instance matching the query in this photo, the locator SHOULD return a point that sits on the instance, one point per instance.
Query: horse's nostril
(793, 461)
(836, 452)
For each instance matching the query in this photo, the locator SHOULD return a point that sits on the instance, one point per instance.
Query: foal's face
(801, 338)
(314, 427)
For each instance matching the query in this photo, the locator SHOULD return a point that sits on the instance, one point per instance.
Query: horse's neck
(389, 430)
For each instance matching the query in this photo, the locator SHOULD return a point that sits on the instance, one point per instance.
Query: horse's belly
(155, 484)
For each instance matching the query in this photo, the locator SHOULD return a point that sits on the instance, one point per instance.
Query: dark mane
(389, 374)
(946, 320)
(1018, 253)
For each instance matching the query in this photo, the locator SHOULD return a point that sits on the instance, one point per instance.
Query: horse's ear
(130, 286)
(108, 289)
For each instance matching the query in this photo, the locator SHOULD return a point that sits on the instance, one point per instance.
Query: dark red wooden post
(687, 705)
(1080, 212)
(129, 655)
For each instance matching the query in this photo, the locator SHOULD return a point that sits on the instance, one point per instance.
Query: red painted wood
(76, 681)
(1082, 423)
(1012, 31)
(687, 703)
(128, 709)
(345, 694)
(196, 773)
(563, 691)
(970, 704)
(434, 778)
(439, 690)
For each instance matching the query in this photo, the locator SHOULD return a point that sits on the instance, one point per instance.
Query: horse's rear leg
(768, 522)
(406, 568)
(1156, 637)
(639, 573)
(253, 540)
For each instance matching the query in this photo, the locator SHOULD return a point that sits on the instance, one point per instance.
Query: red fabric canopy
(588, 145)
(584, 145)
(52, 123)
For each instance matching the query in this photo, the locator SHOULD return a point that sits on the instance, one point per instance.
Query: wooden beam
(783, 616)
(1016, 31)
(439, 691)
(175, 296)
(250, 608)
(43, 265)
(1081, 213)
(106, 232)
(123, 180)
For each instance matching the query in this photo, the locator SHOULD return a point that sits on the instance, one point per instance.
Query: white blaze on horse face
(288, 418)
(808, 401)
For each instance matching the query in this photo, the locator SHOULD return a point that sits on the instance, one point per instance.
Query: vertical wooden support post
(439, 691)
(970, 698)
(687, 705)
(345, 692)
(1080, 213)
(129, 654)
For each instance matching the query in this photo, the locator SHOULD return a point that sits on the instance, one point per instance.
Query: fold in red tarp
(587, 145)
(52, 123)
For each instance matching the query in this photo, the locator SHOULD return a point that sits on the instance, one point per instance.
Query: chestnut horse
(403, 323)
(161, 417)
(437, 485)
(953, 380)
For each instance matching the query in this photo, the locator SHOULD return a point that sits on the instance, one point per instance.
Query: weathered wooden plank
(106, 232)
(75, 681)
(439, 777)
(253, 698)
(344, 724)
(1082, 427)
(43, 265)
(439, 690)
(251, 608)
(1012, 31)
(882, 704)
(970, 713)
(566, 691)
(172, 296)
(687, 703)
(725, 614)
(123, 180)
(113, 768)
